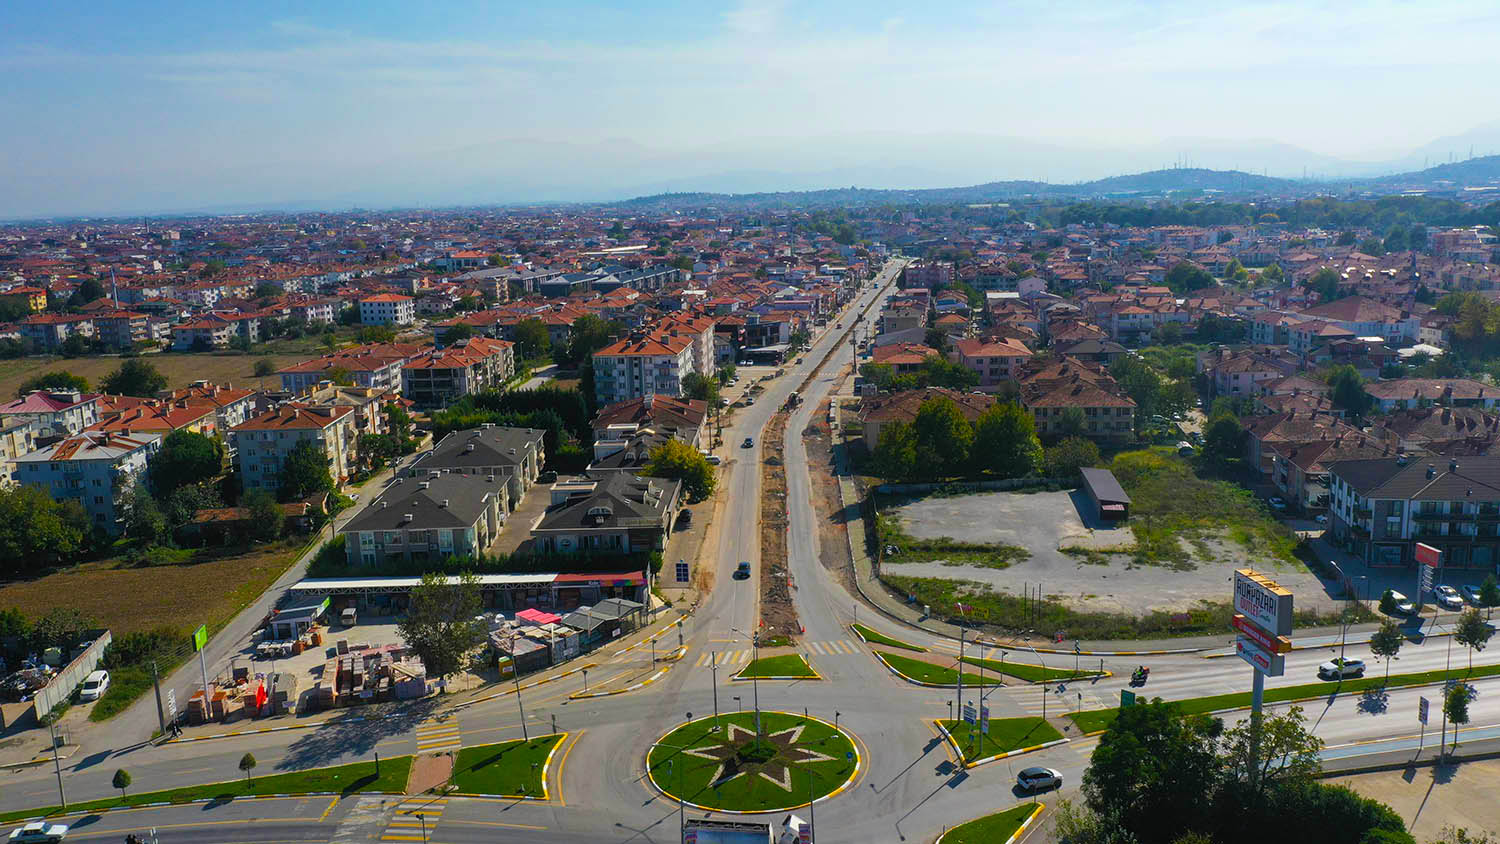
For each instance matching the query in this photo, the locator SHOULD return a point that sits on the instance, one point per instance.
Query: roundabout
(721, 763)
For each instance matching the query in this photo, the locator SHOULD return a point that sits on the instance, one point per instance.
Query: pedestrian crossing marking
(406, 826)
(437, 737)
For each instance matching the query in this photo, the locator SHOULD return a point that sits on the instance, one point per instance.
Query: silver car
(1447, 597)
(1039, 779)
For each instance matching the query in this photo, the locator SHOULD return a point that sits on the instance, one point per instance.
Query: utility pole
(62, 796)
(714, 667)
(161, 712)
(515, 674)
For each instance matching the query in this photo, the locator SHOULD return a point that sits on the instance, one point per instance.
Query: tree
(440, 627)
(677, 460)
(247, 764)
(1068, 456)
(185, 458)
(1076, 824)
(725, 372)
(58, 379)
(1272, 274)
(1235, 270)
(121, 781)
(532, 339)
(304, 472)
(1489, 594)
(459, 331)
(375, 334)
(1347, 237)
(1186, 277)
(1472, 632)
(266, 516)
(1371, 246)
(340, 376)
(1456, 700)
(1168, 334)
(895, 456)
(135, 377)
(937, 339)
(264, 367)
(589, 334)
(943, 437)
(1347, 390)
(701, 388)
(1284, 750)
(87, 291)
(1386, 643)
(1072, 423)
(1224, 440)
(37, 532)
(144, 520)
(1325, 282)
(1155, 771)
(185, 502)
(1005, 442)
(1388, 602)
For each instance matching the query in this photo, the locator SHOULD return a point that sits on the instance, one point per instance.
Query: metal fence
(66, 680)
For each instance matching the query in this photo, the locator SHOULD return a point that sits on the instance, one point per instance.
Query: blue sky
(130, 107)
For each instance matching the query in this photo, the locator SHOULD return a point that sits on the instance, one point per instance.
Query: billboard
(1263, 602)
(1428, 555)
(1274, 644)
(1267, 663)
(200, 637)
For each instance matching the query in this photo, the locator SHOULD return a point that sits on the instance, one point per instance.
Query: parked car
(1471, 594)
(94, 685)
(1038, 779)
(39, 831)
(1321, 518)
(713, 459)
(1447, 597)
(547, 478)
(1276, 503)
(1337, 669)
(748, 443)
(1404, 605)
(684, 519)
(742, 571)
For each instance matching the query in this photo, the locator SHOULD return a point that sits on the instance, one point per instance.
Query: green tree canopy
(304, 472)
(1185, 277)
(1347, 390)
(943, 437)
(37, 532)
(1005, 441)
(1068, 456)
(895, 454)
(266, 515)
(701, 388)
(1325, 282)
(1224, 440)
(1155, 770)
(58, 379)
(185, 458)
(135, 377)
(1386, 642)
(532, 339)
(1472, 632)
(677, 460)
(440, 627)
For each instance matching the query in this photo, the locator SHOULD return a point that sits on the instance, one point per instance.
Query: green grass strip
(990, 829)
(881, 639)
(512, 768)
(786, 665)
(1027, 672)
(1005, 735)
(341, 779)
(1100, 719)
(919, 671)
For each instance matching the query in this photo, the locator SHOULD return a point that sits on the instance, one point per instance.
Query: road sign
(1274, 644)
(1267, 663)
(1077, 647)
(1263, 602)
(1422, 706)
(200, 637)
(1127, 697)
(1428, 555)
(984, 719)
(968, 713)
(171, 704)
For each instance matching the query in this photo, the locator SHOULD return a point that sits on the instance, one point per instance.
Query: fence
(66, 680)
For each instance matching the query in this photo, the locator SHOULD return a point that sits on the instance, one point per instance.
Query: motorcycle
(1138, 677)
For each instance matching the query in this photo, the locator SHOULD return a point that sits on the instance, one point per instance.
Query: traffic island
(722, 764)
(513, 769)
(1006, 737)
(1032, 673)
(925, 673)
(872, 637)
(783, 667)
(999, 828)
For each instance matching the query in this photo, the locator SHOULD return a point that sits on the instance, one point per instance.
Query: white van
(94, 685)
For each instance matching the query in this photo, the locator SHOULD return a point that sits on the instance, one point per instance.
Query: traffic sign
(968, 713)
(1274, 644)
(1422, 706)
(1127, 697)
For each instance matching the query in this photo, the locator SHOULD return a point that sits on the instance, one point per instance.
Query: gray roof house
(429, 518)
(515, 455)
(608, 512)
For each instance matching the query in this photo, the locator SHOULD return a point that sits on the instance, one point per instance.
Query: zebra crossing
(415, 819)
(437, 737)
(1071, 699)
(741, 656)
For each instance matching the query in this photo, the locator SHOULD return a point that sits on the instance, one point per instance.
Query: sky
(142, 107)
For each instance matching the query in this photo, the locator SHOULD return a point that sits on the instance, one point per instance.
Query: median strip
(873, 638)
(1005, 737)
(1031, 673)
(928, 674)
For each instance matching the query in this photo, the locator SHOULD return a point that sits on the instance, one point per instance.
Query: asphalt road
(907, 789)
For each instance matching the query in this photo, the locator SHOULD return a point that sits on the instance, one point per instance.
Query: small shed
(294, 621)
(1106, 497)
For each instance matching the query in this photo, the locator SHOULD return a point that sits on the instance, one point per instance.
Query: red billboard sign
(1428, 555)
(1274, 644)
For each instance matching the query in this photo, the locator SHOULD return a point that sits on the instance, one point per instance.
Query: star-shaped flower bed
(732, 768)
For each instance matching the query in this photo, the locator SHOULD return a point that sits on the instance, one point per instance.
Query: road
(908, 788)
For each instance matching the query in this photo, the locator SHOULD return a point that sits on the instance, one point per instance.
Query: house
(1108, 414)
(878, 411)
(903, 357)
(1364, 317)
(641, 365)
(682, 418)
(1092, 350)
(35, 298)
(122, 330)
(1264, 434)
(427, 519)
(1412, 393)
(439, 376)
(201, 334)
(1381, 508)
(994, 361)
(515, 454)
(616, 512)
(262, 443)
(56, 413)
(98, 469)
(375, 365)
(387, 309)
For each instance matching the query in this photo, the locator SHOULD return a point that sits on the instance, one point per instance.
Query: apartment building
(646, 363)
(56, 413)
(512, 455)
(17, 437)
(375, 365)
(994, 361)
(98, 469)
(387, 309)
(1381, 508)
(439, 376)
(48, 332)
(263, 442)
(426, 519)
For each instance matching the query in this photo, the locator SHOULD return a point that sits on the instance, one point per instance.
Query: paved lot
(1042, 522)
(1429, 799)
(517, 528)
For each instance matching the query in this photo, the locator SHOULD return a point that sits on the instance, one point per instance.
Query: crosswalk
(741, 656)
(438, 737)
(1071, 699)
(415, 819)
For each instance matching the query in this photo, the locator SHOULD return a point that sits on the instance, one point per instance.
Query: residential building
(98, 469)
(387, 309)
(48, 332)
(644, 364)
(56, 413)
(375, 365)
(683, 418)
(439, 376)
(160, 417)
(426, 519)
(1381, 508)
(231, 406)
(514, 454)
(994, 361)
(263, 442)
(1413, 393)
(611, 512)
(878, 411)
(17, 437)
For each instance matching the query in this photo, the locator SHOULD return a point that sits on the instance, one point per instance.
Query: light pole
(515, 674)
(714, 667)
(738, 707)
(422, 819)
(754, 678)
(62, 797)
(585, 679)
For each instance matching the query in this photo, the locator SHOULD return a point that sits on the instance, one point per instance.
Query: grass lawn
(798, 752)
(786, 665)
(1029, 673)
(881, 639)
(926, 672)
(179, 369)
(511, 768)
(342, 779)
(1005, 735)
(1100, 719)
(990, 829)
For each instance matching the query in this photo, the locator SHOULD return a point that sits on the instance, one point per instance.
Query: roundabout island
(722, 764)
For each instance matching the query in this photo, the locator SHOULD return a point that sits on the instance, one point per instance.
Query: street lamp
(754, 678)
(515, 673)
(423, 820)
(714, 667)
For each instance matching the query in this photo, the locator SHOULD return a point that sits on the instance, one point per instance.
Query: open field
(180, 370)
(512, 768)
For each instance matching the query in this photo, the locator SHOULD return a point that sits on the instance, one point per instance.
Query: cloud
(754, 17)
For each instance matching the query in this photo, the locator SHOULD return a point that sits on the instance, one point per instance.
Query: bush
(125, 685)
(1388, 602)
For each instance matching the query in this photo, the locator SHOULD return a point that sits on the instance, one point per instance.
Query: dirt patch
(833, 533)
(777, 615)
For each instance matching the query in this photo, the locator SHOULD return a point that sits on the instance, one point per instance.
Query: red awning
(538, 617)
(607, 578)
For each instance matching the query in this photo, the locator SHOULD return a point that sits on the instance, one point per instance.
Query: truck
(792, 830)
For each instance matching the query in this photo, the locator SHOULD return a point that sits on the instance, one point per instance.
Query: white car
(1038, 779)
(94, 685)
(39, 831)
(1335, 669)
(1447, 597)
(1403, 603)
(1276, 503)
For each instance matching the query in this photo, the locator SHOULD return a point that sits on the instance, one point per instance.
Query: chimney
(384, 504)
(425, 485)
(445, 502)
(406, 517)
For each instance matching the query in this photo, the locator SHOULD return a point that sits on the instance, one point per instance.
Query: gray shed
(1107, 497)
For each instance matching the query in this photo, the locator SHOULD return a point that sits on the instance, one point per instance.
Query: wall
(70, 676)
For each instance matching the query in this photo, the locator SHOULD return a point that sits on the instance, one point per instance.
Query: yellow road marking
(499, 824)
(563, 761)
(331, 804)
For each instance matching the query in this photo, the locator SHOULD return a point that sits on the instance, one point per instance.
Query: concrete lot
(1431, 798)
(1042, 522)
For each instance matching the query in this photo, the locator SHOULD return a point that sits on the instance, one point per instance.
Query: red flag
(260, 695)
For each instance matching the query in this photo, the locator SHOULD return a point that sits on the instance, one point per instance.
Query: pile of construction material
(362, 674)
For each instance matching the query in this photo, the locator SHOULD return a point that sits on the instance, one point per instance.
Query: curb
(511, 691)
(854, 624)
(1404, 764)
(1014, 836)
(953, 743)
(652, 638)
(738, 675)
(108, 809)
(893, 670)
(562, 739)
(859, 762)
(646, 682)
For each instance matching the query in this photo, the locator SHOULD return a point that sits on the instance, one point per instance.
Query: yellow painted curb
(737, 676)
(854, 742)
(853, 628)
(953, 743)
(646, 682)
(562, 739)
(1014, 836)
